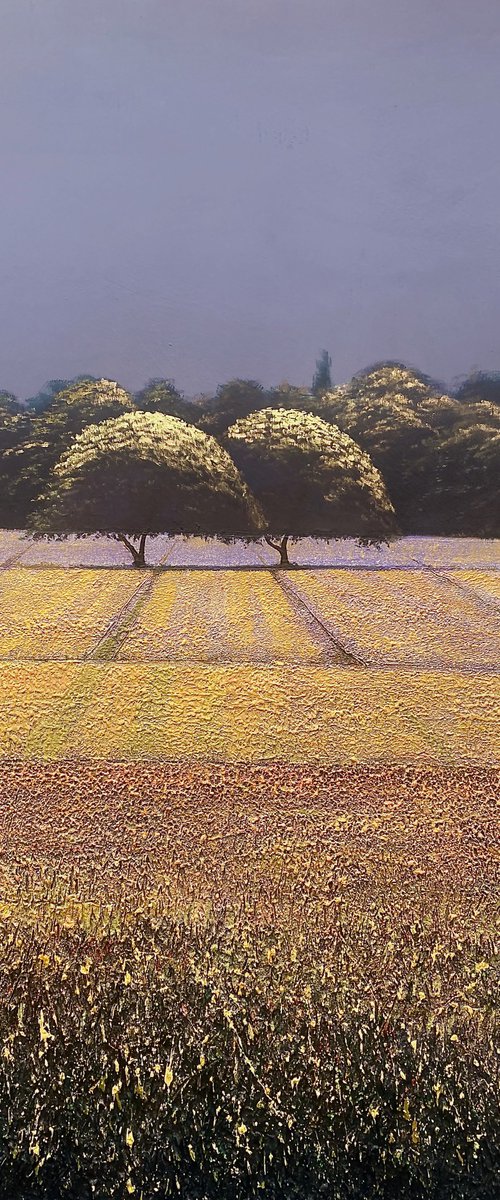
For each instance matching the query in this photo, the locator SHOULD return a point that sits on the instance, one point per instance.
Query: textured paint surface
(397, 617)
(241, 712)
(339, 665)
(471, 553)
(224, 831)
(209, 616)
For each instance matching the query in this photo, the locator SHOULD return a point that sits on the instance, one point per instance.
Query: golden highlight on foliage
(285, 435)
(144, 473)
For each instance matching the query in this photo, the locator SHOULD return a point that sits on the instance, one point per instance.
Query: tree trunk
(284, 559)
(138, 555)
(281, 548)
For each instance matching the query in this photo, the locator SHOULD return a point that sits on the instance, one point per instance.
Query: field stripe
(58, 613)
(413, 620)
(220, 616)
(247, 713)
(483, 585)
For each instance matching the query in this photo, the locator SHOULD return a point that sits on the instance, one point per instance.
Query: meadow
(220, 981)
(249, 872)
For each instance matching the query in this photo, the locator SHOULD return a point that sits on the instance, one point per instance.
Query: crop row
(414, 618)
(392, 617)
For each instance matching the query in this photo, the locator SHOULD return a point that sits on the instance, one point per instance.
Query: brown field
(282, 839)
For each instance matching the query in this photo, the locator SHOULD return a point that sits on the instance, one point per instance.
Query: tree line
(389, 452)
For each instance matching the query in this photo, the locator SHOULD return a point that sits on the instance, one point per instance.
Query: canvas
(249, 600)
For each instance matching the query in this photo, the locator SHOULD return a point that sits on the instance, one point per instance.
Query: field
(249, 872)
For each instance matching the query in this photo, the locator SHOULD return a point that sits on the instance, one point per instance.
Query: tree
(14, 426)
(9, 405)
(48, 433)
(309, 478)
(322, 381)
(479, 385)
(161, 395)
(462, 494)
(396, 414)
(232, 400)
(45, 396)
(287, 395)
(146, 473)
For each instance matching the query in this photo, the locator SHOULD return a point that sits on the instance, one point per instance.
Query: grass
(226, 982)
(233, 962)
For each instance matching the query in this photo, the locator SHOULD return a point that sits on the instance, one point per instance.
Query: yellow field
(414, 618)
(219, 616)
(58, 613)
(253, 713)
(485, 583)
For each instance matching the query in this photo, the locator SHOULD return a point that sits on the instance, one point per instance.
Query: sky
(203, 189)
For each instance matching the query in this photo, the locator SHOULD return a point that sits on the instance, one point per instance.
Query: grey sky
(209, 188)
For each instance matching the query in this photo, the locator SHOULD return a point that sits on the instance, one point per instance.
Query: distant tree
(462, 496)
(322, 381)
(390, 377)
(479, 385)
(46, 434)
(396, 414)
(161, 395)
(146, 473)
(9, 405)
(309, 478)
(232, 400)
(288, 395)
(14, 430)
(45, 396)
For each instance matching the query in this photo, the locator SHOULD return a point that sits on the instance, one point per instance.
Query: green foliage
(161, 395)
(45, 396)
(462, 493)
(44, 436)
(480, 385)
(146, 473)
(85, 403)
(9, 405)
(395, 414)
(15, 492)
(286, 395)
(232, 401)
(309, 477)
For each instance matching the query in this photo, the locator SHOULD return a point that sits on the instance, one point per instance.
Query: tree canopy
(310, 478)
(45, 396)
(161, 395)
(479, 385)
(462, 495)
(395, 414)
(232, 400)
(145, 473)
(9, 405)
(43, 436)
